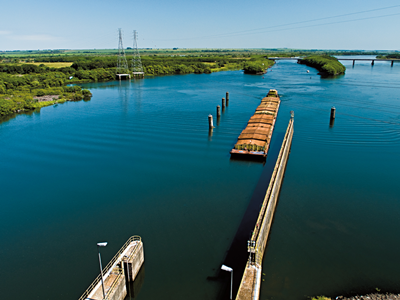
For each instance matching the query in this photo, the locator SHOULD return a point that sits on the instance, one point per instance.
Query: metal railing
(107, 268)
(265, 227)
(115, 282)
(254, 245)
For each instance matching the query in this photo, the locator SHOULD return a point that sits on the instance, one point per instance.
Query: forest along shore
(27, 76)
(25, 80)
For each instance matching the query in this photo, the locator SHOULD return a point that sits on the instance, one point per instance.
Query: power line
(302, 22)
(338, 22)
(252, 31)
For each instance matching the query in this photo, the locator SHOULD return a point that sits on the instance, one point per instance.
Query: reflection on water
(210, 134)
(28, 113)
(331, 122)
(123, 91)
(133, 287)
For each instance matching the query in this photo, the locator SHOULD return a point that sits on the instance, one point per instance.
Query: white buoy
(308, 71)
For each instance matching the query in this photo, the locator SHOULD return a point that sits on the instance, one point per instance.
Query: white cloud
(4, 32)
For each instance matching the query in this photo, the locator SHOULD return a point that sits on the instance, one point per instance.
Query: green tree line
(325, 64)
(257, 65)
(20, 92)
(21, 82)
(389, 56)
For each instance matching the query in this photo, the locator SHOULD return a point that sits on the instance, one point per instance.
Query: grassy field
(53, 64)
(238, 52)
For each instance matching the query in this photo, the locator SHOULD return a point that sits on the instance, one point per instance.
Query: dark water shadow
(236, 256)
(252, 158)
(330, 77)
(133, 288)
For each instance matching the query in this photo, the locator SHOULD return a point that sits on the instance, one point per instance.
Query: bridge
(372, 60)
(119, 272)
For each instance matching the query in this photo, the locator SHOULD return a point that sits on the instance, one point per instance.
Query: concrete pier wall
(118, 292)
(271, 197)
(135, 262)
(251, 280)
(119, 272)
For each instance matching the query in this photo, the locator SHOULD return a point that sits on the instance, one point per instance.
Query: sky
(309, 24)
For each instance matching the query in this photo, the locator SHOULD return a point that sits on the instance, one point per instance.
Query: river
(138, 159)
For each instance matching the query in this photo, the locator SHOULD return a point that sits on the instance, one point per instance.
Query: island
(326, 65)
(257, 66)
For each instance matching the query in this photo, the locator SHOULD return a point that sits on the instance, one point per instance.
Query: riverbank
(22, 101)
(374, 296)
(23, 80)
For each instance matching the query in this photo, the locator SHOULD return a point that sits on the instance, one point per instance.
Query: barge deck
(256, 137)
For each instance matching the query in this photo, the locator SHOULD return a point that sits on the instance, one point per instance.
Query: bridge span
(372, 60)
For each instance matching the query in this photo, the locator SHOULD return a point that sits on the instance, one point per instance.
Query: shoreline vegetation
(326, 65)
(257, 66)
(372, 296)
(24, 79)
(389, 56)
(25, 76)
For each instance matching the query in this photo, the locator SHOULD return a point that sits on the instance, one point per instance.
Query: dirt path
(47, 98)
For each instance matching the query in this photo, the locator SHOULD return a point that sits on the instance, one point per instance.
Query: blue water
(336, 226)
(138, 159)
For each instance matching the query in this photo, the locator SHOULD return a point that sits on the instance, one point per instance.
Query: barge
(256, 137)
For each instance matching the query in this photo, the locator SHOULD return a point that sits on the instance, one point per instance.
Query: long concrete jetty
(251, 280)
(121, 270)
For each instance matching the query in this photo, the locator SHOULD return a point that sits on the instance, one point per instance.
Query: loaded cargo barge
(256, 137)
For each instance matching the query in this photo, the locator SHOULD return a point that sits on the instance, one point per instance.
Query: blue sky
(87, 24)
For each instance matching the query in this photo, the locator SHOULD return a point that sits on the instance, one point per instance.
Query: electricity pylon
(122, 64)
(137, 68)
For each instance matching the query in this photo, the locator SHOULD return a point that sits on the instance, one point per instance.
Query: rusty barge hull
(255, 138)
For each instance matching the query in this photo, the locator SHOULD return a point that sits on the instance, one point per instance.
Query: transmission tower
(137, 68)
(122, 64)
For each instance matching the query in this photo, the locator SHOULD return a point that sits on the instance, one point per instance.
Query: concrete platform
(246, 290)
(121, 270)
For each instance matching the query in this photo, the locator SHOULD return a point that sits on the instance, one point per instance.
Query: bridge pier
(373, 62)
(354, 62)
(392, 63)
